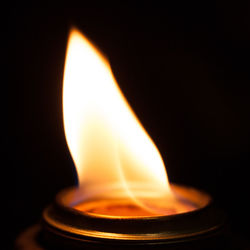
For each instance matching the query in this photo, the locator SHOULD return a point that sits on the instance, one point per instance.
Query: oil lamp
(124, 199)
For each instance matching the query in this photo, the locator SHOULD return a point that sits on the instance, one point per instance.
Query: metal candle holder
(64, 227)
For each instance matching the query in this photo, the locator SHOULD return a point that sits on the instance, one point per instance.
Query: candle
(124, 199)
(120, 170)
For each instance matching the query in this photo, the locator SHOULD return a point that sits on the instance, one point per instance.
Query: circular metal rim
(69, 222)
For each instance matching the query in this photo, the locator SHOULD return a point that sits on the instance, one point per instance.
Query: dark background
(185, 71)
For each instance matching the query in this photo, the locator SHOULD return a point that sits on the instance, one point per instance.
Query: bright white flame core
(107, 142)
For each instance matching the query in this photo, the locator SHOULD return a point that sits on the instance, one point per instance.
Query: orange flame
(112, 152)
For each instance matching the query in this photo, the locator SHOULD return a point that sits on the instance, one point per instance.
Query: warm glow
(114, 156)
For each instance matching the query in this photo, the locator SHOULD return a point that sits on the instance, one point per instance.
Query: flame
(112, 152)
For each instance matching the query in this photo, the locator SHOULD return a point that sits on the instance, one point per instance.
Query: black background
(183, 68)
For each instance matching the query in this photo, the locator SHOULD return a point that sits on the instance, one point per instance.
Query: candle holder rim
(62, 220)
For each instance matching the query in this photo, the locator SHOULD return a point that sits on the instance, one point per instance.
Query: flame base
(117, 205)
